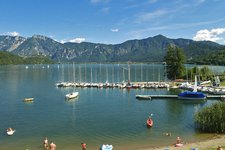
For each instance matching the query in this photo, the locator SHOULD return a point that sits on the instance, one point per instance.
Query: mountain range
(152, 49)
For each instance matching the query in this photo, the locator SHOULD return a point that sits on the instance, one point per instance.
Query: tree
(175, 62)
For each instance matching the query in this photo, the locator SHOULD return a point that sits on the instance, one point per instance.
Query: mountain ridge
(140, 50)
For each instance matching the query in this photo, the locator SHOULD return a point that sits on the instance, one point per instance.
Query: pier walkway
(175, 96)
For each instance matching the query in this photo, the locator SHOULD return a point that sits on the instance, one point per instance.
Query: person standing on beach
(52, 146)
(45, 143)
(83, 146)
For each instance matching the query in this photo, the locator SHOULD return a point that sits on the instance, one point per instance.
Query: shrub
(211, 119)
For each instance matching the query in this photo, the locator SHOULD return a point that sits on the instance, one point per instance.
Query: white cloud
(151, 15)
(77, 40)
(105, 10)
(95, 1)
(200, 1)
(209, 35)
(13, 33)
(115, 30)
(98, 1)
(152, 1)
(62, 41)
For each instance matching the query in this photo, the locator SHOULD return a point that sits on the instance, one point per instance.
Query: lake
(98, 116)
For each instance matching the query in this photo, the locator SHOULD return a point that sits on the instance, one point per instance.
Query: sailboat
(192, 95)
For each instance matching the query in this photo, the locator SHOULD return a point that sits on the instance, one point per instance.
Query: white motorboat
(72, 95)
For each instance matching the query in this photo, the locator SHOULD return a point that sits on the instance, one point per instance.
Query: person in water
(83, 146)
(9, 129)
(168, 133)
(45, 143)
(52, 146)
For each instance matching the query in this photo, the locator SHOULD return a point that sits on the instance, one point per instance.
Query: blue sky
(114, 21)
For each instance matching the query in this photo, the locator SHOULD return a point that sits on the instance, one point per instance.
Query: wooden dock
(175, 96)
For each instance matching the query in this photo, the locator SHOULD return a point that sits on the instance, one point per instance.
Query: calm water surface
(98, 116)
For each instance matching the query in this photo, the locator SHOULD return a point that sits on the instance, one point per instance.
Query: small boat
(29, 99)
(192, 95)
(72, 95)
(10, 131)
(149, 122)
(106, 147)
(189, 95)
(146, 97)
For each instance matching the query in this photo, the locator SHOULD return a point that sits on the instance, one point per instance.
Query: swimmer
(168, 133)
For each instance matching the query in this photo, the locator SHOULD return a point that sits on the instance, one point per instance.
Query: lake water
(98, 116)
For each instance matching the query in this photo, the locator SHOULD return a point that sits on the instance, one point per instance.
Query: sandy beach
(209, 144)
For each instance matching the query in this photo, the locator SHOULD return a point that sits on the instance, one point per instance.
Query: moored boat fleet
(214, 90)
(145, 85)
(133, 85)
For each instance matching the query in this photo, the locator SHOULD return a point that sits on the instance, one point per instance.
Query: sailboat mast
(80, 72)
(73, 73)
(91, 73)
(195, 85)
(128, 72)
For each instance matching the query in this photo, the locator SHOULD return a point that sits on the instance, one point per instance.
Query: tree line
(175, 68)
(7, 58)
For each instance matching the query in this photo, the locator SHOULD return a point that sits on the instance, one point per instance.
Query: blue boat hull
(191, 96)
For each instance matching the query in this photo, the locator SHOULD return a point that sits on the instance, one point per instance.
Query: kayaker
(83, 146)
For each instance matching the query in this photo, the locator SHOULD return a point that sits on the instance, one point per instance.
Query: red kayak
(149, 122)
